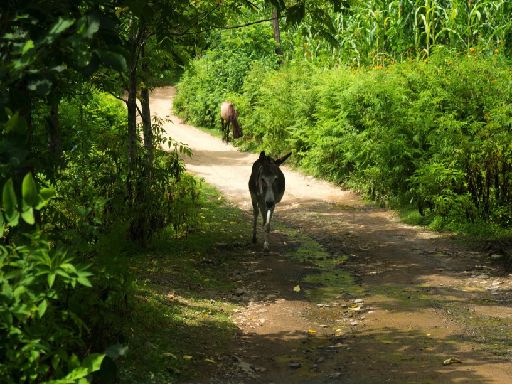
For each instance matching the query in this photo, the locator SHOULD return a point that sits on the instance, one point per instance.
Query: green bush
(40, 335)
(433, 134)
(282, 109)
(221, 71)
(90, 188)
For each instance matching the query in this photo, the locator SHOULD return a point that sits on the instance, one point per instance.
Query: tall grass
(375, 32)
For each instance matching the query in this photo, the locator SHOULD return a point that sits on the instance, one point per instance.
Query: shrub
(40, 335)
(434, 134)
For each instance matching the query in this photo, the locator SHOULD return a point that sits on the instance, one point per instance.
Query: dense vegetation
(408, 101)
(410, 104)
(83, 186)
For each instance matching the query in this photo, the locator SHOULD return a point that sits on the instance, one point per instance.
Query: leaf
(108, 372)
(14, 122)
(41, 309)
(19, 291)
(45, 194)
(29, 191)
(28, 215)
(296, 288)
(29, 44)
(51, 279)
(61, 25)
(93, 26)
(10, 203)
(113, 60)
(82, 279)
(91, 363)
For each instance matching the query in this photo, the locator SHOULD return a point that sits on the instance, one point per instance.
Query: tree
(47, 49)
(294, 12)
(172, 25)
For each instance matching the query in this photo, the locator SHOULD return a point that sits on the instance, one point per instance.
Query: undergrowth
(180, 324)
(429, 134)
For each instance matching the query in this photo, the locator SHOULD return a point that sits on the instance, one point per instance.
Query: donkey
(267, 186)
(229, 116)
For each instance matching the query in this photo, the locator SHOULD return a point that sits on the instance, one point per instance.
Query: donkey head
(267, 186)
(270, 180)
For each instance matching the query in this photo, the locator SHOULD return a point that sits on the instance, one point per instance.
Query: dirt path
(365, 300)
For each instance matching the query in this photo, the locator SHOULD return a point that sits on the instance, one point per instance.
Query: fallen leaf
(296, 288)
(187, 357)
(451, 360)
(311, 331)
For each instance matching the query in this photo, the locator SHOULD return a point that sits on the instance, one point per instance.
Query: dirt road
(367, 300)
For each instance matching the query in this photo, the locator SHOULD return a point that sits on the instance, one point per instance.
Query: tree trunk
(146, 119)
(54, 139)
(132, 127)
(277, 33)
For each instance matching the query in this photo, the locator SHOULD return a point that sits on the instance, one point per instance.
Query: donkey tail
(237, 130)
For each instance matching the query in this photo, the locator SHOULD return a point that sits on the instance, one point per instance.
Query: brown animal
(267, 186)
(228, 117)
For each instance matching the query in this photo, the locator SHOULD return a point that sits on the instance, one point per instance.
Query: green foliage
(91, 188)
(282, 107)
(56, 125)
(31, 198)
(39, 333)
(221, 71)
(376, 32)
(432, 134)
(166, 195)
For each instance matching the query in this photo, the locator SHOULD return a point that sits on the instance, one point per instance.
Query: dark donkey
(228, 117)
(266, 185)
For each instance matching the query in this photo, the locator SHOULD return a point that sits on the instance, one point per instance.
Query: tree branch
(117, 97)
(223, 27)
(125, 101)
(245, 25)
(138, 109)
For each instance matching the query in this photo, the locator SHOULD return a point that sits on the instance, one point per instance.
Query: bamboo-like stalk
(412, 28)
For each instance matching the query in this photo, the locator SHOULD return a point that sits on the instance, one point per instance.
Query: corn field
(377, 32)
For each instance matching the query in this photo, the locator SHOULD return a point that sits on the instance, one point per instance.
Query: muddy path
(364, 299)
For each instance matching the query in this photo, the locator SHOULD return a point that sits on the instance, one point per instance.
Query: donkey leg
(254, 221)
(226, 132)
(267, 220)
(224, 129)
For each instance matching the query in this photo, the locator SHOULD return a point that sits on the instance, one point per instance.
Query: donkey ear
(262, 155)
(282, 159)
